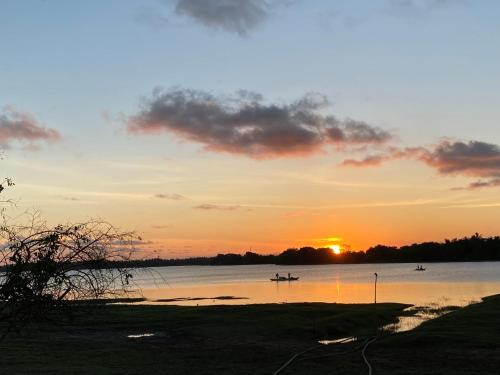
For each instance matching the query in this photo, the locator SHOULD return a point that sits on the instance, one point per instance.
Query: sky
(254, 125)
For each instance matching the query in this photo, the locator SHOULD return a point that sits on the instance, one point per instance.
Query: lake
(441, 283)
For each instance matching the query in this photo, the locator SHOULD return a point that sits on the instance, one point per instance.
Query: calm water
(441, 284)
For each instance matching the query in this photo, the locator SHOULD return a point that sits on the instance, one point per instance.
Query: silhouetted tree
(7, 182)
(47, 267)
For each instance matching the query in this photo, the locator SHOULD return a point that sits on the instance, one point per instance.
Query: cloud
(299, 213)
(127, 245)
(473, 159)
(237, 16)
(392, 153)
(495, 182)
(72, 199)
(21, 127)
(209, 207)
(368, 161)
(160, 226)
(420, 7)
(244, 124)
(175, 197)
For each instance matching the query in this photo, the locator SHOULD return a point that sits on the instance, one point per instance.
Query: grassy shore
(253, 339)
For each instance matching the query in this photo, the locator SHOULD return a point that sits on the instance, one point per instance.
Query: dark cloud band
(244, 124)
(473, 158)
(238, 16)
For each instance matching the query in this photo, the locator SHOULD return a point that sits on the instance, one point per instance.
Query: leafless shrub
(45, 267)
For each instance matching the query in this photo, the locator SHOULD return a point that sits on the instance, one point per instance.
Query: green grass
(253, 339)
(465, 341)
(247, 339)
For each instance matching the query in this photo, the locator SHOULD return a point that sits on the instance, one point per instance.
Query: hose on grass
(363, 354)
(295, 356)
(351, 350)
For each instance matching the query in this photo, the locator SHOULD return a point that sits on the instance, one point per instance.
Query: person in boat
(277, 276)
(288, 275)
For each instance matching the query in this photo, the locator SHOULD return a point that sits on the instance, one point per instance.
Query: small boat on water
(420, 268)
(282, 278)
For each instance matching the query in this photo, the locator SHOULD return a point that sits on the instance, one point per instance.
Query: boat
(282, 278)
(420, 269)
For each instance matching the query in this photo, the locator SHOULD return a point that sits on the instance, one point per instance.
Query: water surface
(441, 283)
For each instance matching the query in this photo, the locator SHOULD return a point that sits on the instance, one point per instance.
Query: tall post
(376, 276)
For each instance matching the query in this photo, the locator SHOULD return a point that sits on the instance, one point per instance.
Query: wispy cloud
(413, 6)
(495, 182)
(368, 161)
(69, 198)
(175, 197)
(210, 207)
(244, 124)
(475, 205)
(21, 127)
(161, 226)
(392, 153)
(300, 214)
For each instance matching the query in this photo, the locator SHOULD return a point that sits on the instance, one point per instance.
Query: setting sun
(336, 249)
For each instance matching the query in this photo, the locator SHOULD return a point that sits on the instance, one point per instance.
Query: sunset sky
(233, 125)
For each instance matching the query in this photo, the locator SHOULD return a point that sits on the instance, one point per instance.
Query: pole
(376, 321)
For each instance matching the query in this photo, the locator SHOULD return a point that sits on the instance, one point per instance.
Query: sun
(336, 249)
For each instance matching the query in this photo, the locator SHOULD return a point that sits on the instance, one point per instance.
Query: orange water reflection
(457, 293)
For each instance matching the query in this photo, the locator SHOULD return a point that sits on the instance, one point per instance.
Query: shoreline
(305, 264)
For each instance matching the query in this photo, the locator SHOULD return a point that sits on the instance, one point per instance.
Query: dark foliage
(467, 249)
(45, 267)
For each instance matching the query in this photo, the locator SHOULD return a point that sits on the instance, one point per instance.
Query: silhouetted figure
(288, 275)
(277, 276)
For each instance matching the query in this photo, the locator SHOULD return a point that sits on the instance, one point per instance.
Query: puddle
(416, 316)
(140, 336)
(343, 340)
(183, 299)
(419, 315)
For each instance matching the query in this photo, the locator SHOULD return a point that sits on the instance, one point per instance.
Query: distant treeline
(467, 249)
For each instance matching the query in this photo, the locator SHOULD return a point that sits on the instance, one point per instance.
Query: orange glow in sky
(202, 152)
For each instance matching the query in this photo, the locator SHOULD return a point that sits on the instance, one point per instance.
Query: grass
(464, 341)
(246, 339)
(254, 339)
